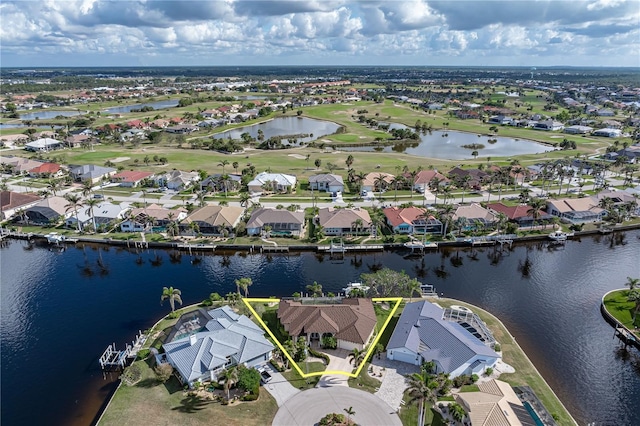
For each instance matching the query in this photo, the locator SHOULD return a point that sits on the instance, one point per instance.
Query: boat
(427, 290)
(55, 238)
(560, 236)
(355, 286)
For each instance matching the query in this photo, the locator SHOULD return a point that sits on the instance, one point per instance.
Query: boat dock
(345, 248)
(114, 358)
(274, 249)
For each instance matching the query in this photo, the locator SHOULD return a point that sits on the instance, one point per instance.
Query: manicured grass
(617, 305)
(409, 415)
(469, 388)
(381, 316)
(297, 381)
(525, 372)
(364, 381)
(153, 403)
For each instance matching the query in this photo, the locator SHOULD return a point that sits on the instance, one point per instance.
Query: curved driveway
(308, 407)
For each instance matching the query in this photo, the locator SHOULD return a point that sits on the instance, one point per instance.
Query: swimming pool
(533, 413)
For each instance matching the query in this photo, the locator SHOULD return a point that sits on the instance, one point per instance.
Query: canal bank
(626, 335)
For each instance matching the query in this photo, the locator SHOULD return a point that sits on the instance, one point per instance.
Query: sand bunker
(298, 156)
(120, 159)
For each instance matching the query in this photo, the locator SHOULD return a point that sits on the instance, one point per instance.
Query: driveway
(279, 388)
(338, 361)
(393, 379)
(308, 407)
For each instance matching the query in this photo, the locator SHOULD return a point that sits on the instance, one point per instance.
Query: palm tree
(356, 356)
(87, 187)
(74, 201)
(349, 161)
(359, 177)
(380, 183)
(397, 180)
(413, 174)
(173, 294)
(91, 203)
(244, 284)
(413, 287)
(54, 186)
(244, 199)
(463, 183)
(421, 392)
(315, 289)
(535, 209)
(350, 412)
(223, 163)
(632, 283)
(501, 220)
(634, 296)
(229, 378)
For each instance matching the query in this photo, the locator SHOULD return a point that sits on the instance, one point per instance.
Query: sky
(319, 32)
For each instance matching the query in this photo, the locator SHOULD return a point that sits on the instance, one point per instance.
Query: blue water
(533, 414)
(59, 311)
(283, 126)
(46, 115)
(169, 103)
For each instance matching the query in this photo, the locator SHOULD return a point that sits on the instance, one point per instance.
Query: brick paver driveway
(308, 407)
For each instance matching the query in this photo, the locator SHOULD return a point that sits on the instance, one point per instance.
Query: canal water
(285, 126)
(59, 310)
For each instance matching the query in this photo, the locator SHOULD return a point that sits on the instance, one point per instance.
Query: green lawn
(409, 415)
(297, 381)
(153, 403)
(617, 305)
(364, 381)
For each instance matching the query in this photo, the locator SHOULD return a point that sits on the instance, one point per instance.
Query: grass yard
(617, 305)
(297, 381)
(525, 373)
(153, 403)
(409, 415)
(364, 381)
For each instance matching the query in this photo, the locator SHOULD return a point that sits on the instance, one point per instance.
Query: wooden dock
(348, 248)
(274, 249)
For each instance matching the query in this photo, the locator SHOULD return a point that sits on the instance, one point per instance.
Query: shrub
(488, 371)
(329, 342)
(474, 378)
(496, 347)
(251, 396)
(332, 419)
(249, 379)
(277, 365)
(143, 354)
(163, 372)
(131, 375)
(320, 355)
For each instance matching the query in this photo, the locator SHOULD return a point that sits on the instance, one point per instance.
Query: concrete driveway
(279, 387)
(308, 407)
(338, 361)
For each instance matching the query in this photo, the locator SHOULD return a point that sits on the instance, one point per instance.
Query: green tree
(229, 378)
(244, 284)
(173, 295)
(535, 209)
(350, 412)
(223, 163)
(420, 392)
(91, 203)
(457, 412)
(73, 202)
(634, 296)
(632, 283)
(315, 289)
(356, 356)
(349, 161)
(318, 163)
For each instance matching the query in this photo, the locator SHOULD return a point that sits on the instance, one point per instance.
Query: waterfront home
(142, 219)
(548, 125)
(619, 198)
(500, 119)
(608, 133)
(212, 220)
(474, 213)
(91, 173)
(182, 129)
(43, 145)
(424, 179)
(519, 214)
(377, 181)
(424, 334)
(412, 220)
(272, 182)
(48, 211)
(338, 222)
(326, 182)
(176, 179)
(576, 210)
(578, 130)
(351, 322)
(280, 222)
(214, 341)
(103, 214)
(46, 170)
(494, 403)
(13, 202)
(131, 178)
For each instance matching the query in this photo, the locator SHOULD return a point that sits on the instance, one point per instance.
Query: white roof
(280, 178)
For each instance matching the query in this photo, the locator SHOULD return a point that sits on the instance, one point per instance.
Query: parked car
(265, 376)
(98, 196)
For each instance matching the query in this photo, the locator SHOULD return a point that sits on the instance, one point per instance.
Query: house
(425, 179)
(12, 202)
(276, 182)
(351, 322)
(48, 211)
(131, 178)
(216, 182)
(212, 220)
(576, 210)
(412, 220)
(79, 140)
(424, 333)
(326, 182)
(280, 222)
(500, 119)
(619, 198)
(578, 130)
(605, 112)
(142, 219)
(548, 125)
(476, 176)
(103, 214)
(225, 340)
(176, 179)
(43, 145)
(474, 213)
(338, 222)
(13, 139)
(18, 165)
(372, 182)
(608, 133)
(46, 170)
(91, 173)
(181, 129)
(494, 403)
(519, 214)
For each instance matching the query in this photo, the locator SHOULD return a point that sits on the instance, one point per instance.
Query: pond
(169, 103)
(11, 125)
(448, 145)
(283, 126)
(46, 115)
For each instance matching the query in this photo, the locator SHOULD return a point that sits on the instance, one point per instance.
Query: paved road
(279, 387)
(308, 407)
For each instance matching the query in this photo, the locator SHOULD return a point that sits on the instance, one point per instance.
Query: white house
(609, 133)
(326, 182)
(103, 213)
(43, 145)
(279, 182)
(423, 334)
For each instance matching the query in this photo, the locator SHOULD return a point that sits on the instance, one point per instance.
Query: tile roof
(474, 211)
(397, 216)
(424, 177)
(370, 179)
(46, 168)
(10, 199)
(494, 404)
(157, 212)
(131, 175)
(266, 215)
(216, 215)
(565, 205)
(353, 320)
(343, 218)
(331, 179)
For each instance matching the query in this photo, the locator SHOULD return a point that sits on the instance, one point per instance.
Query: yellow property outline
(248, 301)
